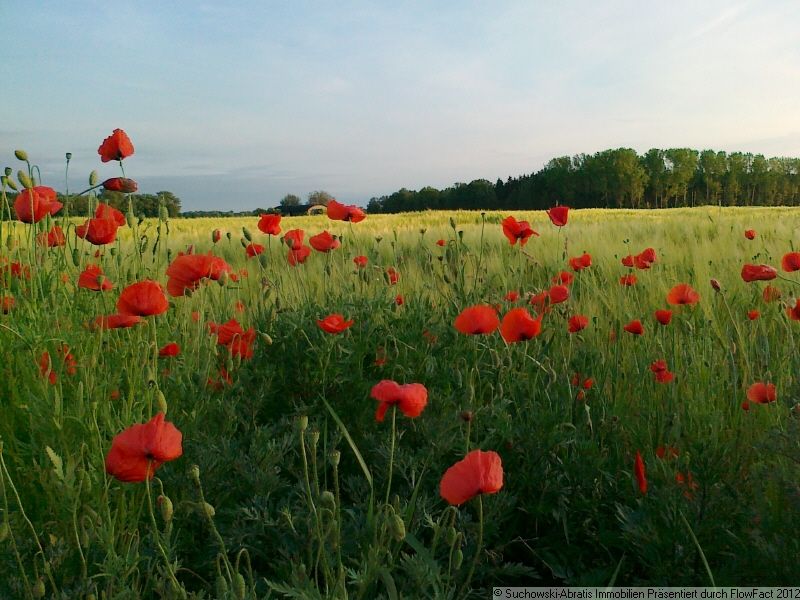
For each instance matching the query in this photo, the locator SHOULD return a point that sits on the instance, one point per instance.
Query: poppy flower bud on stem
(161, 401)
(715, 285)
(10, 183)
(239, 586)
(21, 155)
(246, 232)
(24, 179)
(398, 527)
(8, 171)
(94, 178)
(208, 510)
(167, 510)
(327, 500)
(302, 423)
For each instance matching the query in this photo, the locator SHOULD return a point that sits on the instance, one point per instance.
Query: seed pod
(302, 423)
(68, 155)
(229, 236)
(21, 155)
(94, 177)
(194, 471)
(335, 458)
(398, 527)
(24, 179)
(327, 500)
(314, 435)
(243, 242)
(167, 510)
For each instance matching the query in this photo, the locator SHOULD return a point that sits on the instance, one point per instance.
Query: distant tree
(319, 197)
(290, 200)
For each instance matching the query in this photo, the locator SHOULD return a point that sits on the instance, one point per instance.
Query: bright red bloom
(298, 255)
(558, 215)
(117, 146)
(46, 367)
(7, 304)
(171, 349)
(98, 231)
(323, 242)
(253, 250)
(628, 260)
(564, 278)
(34, 204)
(143, 299)
(576, 323)
(794, 311)
(360, 261)
(399, 300)
(761, 393)
(639, 471)
(758, 273)
(519, 326)
(771, 294)
(341, 212)
(667, 452)
(410, 398)
(539, 301)
(239, 306)
(53, 238)
(334, 323)
(635, 327)
(92, 278)
(440, 243)
(517, 230)
(687, 481)
(750, 234)
(186, 271)
(477, 473)
(480, 319)
(270, 223)
(663, 316)
(138, 451)
(647, 255)
(105, 211)
(584, 261)
(294, 238)
(662, 374)
(628, 280)
(682, 294)
(121, 184)
(512, 296)
(558, 294)
(242, 345)
(226, 332)
(753, 315)
(791, 262)
(216, 236)
(70, 365)
(116, 321)
(392, 276)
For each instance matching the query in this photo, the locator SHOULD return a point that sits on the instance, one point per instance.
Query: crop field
(201, 409)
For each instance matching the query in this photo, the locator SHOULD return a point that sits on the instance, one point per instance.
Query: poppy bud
(467, 416)
(398, 527)
(796, 410)
(450, 536)
(267, 339)
(302, 423)
(246, 233)
(229, 236)
(263, 260)
(239, 587)
(113, 251)
(715, 285)
(208, 510)
(452, 222)
(69, 156)
(165, 504)
(8, 171)
(21, 155)
(327, 500)
(243, 242)
(4, 532)
(24, 179)
(76, 257)
(223, 279)
(458, 559)
(222, 587)
(336, 457)
(38, 589)
(94, 177)
(10, 183)
(130, 219)
(161, 401)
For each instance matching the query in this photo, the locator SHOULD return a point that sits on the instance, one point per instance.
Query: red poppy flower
(794, 311)
(659, 369)
(70, 364)
(117, 146)
(480, 319)
(639, 471)
(138, 451)
(323, 242)
(581, 262)
(171, 349)
(104, 211)
(121, 184)
(791, 262)
(46, 367)
(635, 327)
(576, 323)
(239, 306)
(216, 236)
(226, 332)
(241, 346)
(758, 273)
(477, 473)
(341, 212)
(750, 234)
(334, 323)
(98, 231)
(761, 393)
(519, 326)
(682, 294)
(360, 261)
(116, 321)
(440, 242)
(253, 250)
(558, 215)
(142, 299)
(223, 380)
(53, 238)
(517, 230)
(539, 300)
(688, 483)
(642, 261)
(270, 223)
(771, 294)
(628, 280)
(512, 296)
(410, 398)
(34, 204)
(186, 271)
(92, 278)
(753, 315)
(294, 238)
(628, 260)
(648, 255)
(392, 276)
(7, 304)
(298, 256)
(663, 316)
(558, 294)
(667, 452)
(564, 278)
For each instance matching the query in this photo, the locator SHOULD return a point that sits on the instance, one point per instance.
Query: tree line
(621, 178)
(144, 205)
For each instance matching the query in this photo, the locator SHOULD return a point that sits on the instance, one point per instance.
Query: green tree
(290, 200)
(319, 197)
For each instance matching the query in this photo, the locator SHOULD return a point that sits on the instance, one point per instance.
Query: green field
(299, 492)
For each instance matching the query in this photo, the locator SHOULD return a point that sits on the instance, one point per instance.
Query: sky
(232, 105)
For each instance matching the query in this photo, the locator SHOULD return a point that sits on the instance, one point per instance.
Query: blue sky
(234, 104)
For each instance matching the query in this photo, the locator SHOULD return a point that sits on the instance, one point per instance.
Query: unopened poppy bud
(302, 423)
(208, 510)
(5, 531)
(38, 590)
(8, 171)
(161, 401)
(327, 500)
(450, 536)
(229, 236)
(335, 458)
(267, 339)
(378, 238)
(165, 504)
(246, 233)
(130, 219)
(10, 183)
(398, 527)
(715, 285)
(223, 279)
(76, 257)
(222, 587)
(94, 177)
(21, 155)
(243, 242)
(69, 156)
(452, 222)
(458, 558)
(467, 416)
(263, 260)
(24, 179)
(216, 235)
(239, 586)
